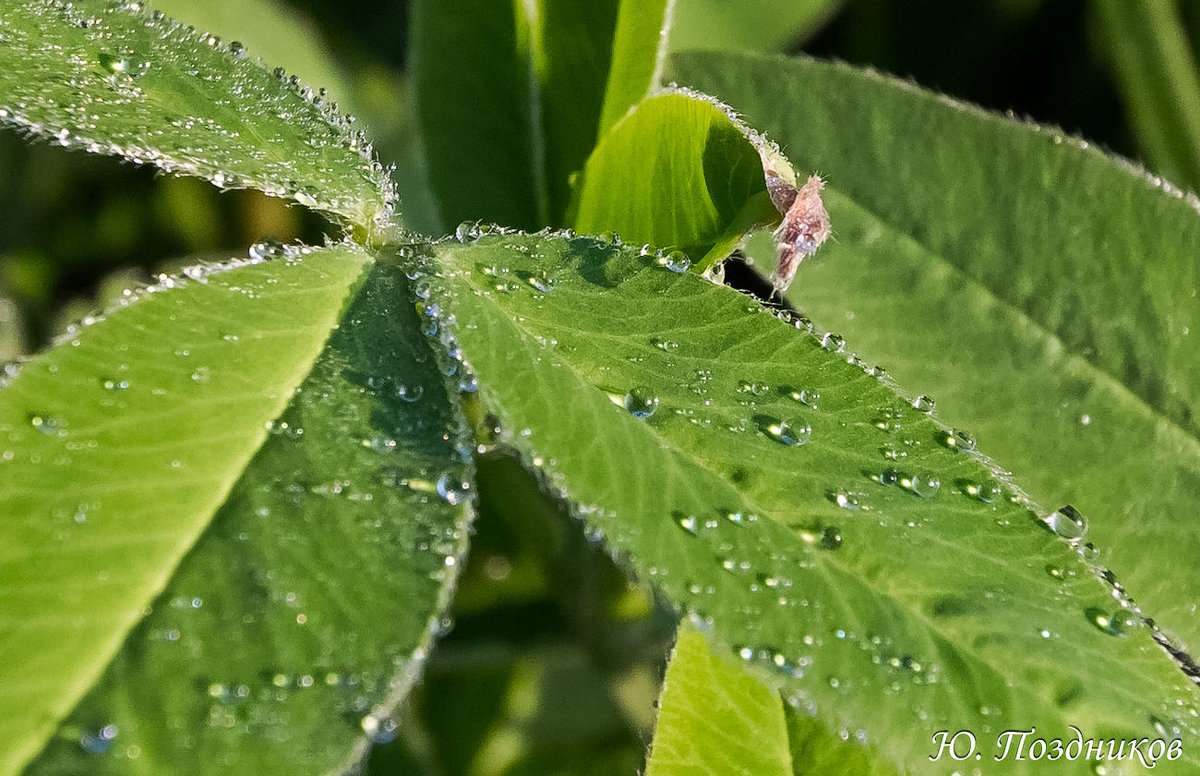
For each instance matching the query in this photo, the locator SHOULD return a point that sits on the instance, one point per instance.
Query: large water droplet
(467, 232)
(410, 392)
(676, 261)
(641, 402)
(131, 67)
(688, 523)
(924, 484)
(987, 491)
(380, 728)
(265, 250)
(792, 432)
(924, 403)
(45, 424)
(830, 538)
(1117, 623)
(454, 490)
(834, 343)
(1068, 523)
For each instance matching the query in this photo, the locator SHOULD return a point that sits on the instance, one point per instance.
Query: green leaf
(766, 25)
(835, 536)
(117, 447)
(270, 31)
(1043, 292)
(115, 79)
(689, 175)
(715, 718)
(1155, 68)
(304, 612)
(642, 27)
(510, 96)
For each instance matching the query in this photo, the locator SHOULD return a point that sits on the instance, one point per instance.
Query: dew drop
(754, 389)
(100, 741)
(687, 523)
(380, 728)
(453, 490)
(793, 432)
(1068, 523)
(45, 424)
(113, 384)
(962, 441)
(676, 261)
(641, 402)
(410, 393)
(987, 491)
(924, 403)
(830, 538)
(237, 49)
(834, 343)
(1117, 623)
(265, 250)
(924, 484)
(467, 232)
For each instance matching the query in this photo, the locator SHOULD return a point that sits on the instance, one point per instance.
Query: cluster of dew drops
(643, 402)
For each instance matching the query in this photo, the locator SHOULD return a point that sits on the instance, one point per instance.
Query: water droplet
(237, 49)
(806, 396)
(1068, 523)
(793, 432)
(924, 484)
(112, 384)
(754, 389)
(676, 261)
(200, 374)
(641, 402)
(834, 343)
(687, 522)
(380, 728)
(957, 440)
(830, 538)
(467, 232)
(924, 403)
(45, 424)
(845, 501)
(100, 741)
(130, 67)
(1117, 623)
(987, 491)
(266, 250)
(452, 489)
(410, 392)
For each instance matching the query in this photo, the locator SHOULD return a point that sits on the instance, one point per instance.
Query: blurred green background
(553, 661)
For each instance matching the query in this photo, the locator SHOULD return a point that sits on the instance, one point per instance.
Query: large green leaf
(689, 175)
(510, 96)
(117, 447)
(304, 611)
(115, 79)
(851, 549)
(1043, 292)
(714, 718)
